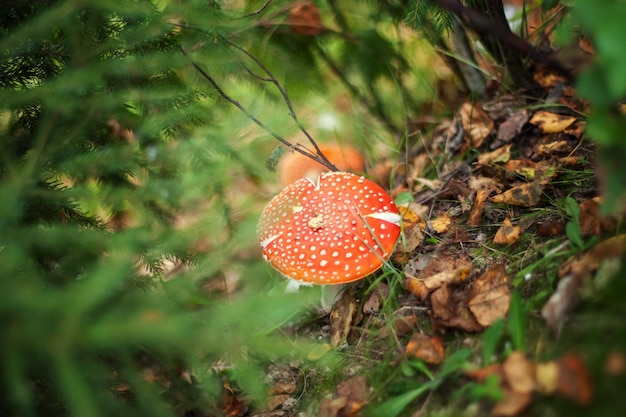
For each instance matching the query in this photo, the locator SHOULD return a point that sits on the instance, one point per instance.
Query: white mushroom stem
(329, 292)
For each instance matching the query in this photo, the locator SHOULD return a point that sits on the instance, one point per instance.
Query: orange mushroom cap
(294, 165)
(335, 231)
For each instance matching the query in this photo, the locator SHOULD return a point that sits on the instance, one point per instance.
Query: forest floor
(502, 297)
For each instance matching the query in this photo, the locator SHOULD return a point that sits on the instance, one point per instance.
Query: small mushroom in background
(335, 230)
(293, 166)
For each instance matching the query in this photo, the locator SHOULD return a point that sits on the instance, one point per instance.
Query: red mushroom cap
(337, 230)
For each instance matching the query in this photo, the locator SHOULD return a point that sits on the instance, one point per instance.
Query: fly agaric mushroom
(334, 231)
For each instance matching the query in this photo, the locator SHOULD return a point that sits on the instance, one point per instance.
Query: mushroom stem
(330, 293)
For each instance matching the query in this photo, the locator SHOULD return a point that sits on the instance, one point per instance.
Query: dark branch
(481, 24)
(320, 158)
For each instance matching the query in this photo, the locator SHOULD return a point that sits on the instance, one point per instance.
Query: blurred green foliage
(117, 169)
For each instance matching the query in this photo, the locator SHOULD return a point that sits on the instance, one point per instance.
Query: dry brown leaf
(428, 349)
(502, 154)
(525, 195)
(481, 374)
(490, 296)
(421, 284)
(476, 122)
(476, 216)
(274, 401)
(520, 168)
(512, 126)
(423, 287)
(484, 183)
(546, 376)
(351, 397)
(450, 310)
(555, 147)
(573, 380)
(512, 404)
(413, 214)
(305, 19)
(441, 224)
(519, 372)
(507, 234)
(233, 404)
(372, 304)
(549, 122)
(551, 228)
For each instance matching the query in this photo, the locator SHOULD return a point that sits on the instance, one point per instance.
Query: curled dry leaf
(573, 380)
(525, 195)
(490, 296)
(549, 122)
(476, 215)
(476, 123)
(426, 348)
(519, 372)
(512, 126)
(511, 404)
(351, 397)
(443, 268)
(507, 234)
(520, 168)
(502, 154)
(441, 224)
(450, 310)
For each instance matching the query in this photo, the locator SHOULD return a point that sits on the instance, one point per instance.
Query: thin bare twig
(320, 158)
(283, 92)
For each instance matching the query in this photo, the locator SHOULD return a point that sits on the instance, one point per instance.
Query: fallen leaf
(573, 380)
(554, 147)
(549, 122)
(511, 404)
(484, 183)
(490, 296)
(507, 234)
(441, 224)
(437, 272)
(426, 348)
(512, 126)
(476, 122)
(525, 195)
(233, 404)
(502, 154)
(519, 372)
(546, 377)
(351, 396)
(551, 228)
(274, 401)
(520, 168)
(481, 374)
(373, 302)
(476, 215)
(450, 310)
